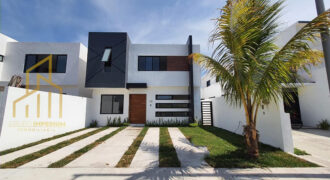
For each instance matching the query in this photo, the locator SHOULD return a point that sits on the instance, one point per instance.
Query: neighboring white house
(68, 71)
(313, 97)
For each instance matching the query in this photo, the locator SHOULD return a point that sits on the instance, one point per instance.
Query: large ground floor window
(112, 104)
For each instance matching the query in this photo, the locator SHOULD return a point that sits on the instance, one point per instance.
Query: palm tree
(249, 66)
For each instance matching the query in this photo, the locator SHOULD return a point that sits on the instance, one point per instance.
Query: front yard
(227, 150)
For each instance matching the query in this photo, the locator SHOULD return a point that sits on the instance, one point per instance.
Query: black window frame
(1, 57)
(208, 83)
(174, 96)
(162, 63)
(38, 59)
(172, 113)
(122, 109)
(107, 65)
(172, 105)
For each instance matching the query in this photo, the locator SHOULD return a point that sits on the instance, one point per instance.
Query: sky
(145, 21)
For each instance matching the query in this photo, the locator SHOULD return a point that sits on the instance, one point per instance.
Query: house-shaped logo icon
(29, 92)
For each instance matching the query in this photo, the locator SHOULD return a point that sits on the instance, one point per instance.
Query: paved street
(163, 173)
(315, 142)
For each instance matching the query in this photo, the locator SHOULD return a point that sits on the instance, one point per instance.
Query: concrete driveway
(315, 142)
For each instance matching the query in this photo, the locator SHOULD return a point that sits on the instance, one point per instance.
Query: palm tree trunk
(251, 135)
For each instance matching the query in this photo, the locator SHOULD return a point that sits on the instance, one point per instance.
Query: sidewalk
(163, 173)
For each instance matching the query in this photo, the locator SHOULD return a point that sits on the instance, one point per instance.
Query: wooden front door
(137, 108)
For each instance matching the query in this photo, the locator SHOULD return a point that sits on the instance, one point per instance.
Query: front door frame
(130, 109)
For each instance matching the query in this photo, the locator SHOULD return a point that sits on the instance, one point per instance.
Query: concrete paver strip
(45, 161)
(109, 153)
(188, 154)
(148, 153)
(315, 142)
(11, 156)
(163, 173)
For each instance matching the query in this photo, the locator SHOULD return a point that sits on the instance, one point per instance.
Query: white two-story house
(68, 65)
(142, 82)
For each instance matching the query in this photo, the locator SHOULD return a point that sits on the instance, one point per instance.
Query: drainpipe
(325, 40)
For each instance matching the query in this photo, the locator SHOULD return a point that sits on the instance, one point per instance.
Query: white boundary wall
(21, 130)
(273, 123)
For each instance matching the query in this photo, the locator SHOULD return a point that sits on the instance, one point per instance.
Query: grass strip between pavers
(30, 157)
(83, 150)
(7, 151)
(167, 153)
(300, 152)
(127, 158)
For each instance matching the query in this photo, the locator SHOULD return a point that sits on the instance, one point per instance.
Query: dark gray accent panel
(98, 75)
(191, 80)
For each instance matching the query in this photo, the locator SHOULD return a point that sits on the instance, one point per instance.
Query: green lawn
(227, 150)
(300, 152)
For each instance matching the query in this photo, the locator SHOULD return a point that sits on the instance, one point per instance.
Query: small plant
(300, 152)
(126, 122)
(93, 123)
(108, 121)
(116, 122)
(324, 124)
(168, 123)
(197, 122)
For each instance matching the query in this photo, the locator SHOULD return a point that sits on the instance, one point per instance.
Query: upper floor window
(208, 83)
(152, 63)
(106, 58)
(1, 58)
(58, 63)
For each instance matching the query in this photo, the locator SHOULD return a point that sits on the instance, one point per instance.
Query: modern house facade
(142, 82)
(138, 82)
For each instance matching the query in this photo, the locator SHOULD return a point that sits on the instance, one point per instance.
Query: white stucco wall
(163, 79)
(214, 90)
(19, 130)
(160, 78)
(3, 47)
(151, 92)
(273, 123)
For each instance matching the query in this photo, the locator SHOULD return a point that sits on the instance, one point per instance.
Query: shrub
(108, 121)
(93, 123)
(324, 124)
(168, 123)
(116, 122)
